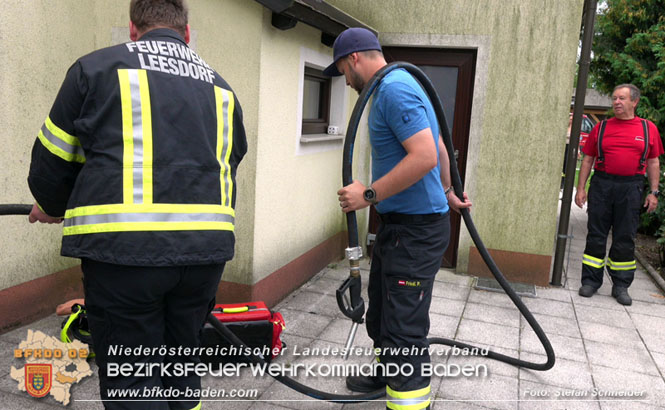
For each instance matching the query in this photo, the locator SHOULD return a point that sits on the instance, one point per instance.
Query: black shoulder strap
(643, 160)
(601, 157)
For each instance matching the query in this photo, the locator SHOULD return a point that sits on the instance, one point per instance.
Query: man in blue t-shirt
(411, 190)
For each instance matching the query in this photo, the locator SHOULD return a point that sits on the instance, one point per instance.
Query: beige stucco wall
(524, 73)
(296, 201)
(40, 40)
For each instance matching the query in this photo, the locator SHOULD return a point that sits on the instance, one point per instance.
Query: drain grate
(522, 289)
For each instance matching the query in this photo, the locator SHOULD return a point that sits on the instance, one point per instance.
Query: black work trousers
(407, 256)
(613, 202)
(148, 307)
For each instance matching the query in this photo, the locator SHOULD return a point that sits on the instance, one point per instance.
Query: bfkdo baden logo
(38, 379)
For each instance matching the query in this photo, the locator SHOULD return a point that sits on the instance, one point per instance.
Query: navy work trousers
(407, 256)
(148, 307)
(613, 202)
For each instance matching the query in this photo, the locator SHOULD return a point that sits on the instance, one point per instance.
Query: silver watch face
(369, 195)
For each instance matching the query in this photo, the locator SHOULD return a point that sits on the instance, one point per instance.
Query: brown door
(452, 72)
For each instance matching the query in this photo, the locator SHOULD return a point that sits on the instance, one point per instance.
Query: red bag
(256, 325)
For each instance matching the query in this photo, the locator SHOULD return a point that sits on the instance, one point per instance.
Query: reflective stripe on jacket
(139, 154)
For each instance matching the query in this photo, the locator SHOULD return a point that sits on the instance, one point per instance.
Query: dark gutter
(589, 17)
(316, 13)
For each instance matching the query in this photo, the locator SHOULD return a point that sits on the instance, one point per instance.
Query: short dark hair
(634, 91)
(146, 14)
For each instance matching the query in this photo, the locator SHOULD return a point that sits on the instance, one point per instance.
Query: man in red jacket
(623, 149)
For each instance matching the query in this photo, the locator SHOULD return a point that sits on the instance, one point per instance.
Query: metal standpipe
(573, 144)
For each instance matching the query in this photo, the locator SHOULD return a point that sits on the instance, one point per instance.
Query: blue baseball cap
(349, 41)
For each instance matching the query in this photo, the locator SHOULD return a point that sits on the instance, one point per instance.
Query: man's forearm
(585, 170)
(444, 162)
(653, 173)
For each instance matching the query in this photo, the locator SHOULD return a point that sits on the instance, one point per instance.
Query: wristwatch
(655, 193)
(370, 196)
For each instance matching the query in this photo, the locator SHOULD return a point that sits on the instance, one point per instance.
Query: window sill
(312, 138)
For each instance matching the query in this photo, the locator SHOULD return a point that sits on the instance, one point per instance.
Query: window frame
(318, 125)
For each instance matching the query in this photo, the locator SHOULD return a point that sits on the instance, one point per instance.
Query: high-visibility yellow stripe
(197, 407)
(415, 406)
(147, 226)
(221, 121)
(592, 261)
(146, 117)
(148, 208)
(408, 400)
(60, 133)
(224, 110)
(408, 394)
(59, 152)
(229, 119)
(630, 265)
(593, 258)
(127, 137)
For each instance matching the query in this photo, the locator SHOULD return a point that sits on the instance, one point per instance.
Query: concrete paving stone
(22, 401)
(318, 380)
(613, 381)
(564, 347)
(627, 405)
(448, 404)
(595, 314)
(553, 293)
(378, 404)
(448, 276)
(606, 333)
(49, 325)
(7, 359)
(304, 324)
(338, 331)
(537, 396)
(567, 374)
(654, 340)
(659, 358)
(497, 392)
(494, 367)
(647, 296)
(564, 326)
(549, 307)
(597, 300)
(492, 314)
(488, 333)
(322, 285)
(645, 284)
(635, 358)
(648, 309)
(337, 271)
(262, 405)
(450, 291)
(291, 344)
(490, 298)
(325, 305)
(645, 323)
(443, 326)
(448, 307)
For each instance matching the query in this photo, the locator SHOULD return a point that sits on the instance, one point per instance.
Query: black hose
(353, 242)
(457, 185)
(15, 209)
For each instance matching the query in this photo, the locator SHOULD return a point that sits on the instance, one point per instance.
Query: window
(316, 102)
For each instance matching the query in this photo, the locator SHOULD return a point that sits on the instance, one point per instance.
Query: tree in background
(629, 47)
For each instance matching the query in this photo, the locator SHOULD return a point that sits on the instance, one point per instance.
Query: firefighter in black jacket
(138, 156)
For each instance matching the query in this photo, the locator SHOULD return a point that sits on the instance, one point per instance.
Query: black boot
(365, 384)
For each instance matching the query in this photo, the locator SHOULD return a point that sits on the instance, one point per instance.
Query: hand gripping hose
(357, 308)
(457, 185)
(13, 209)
